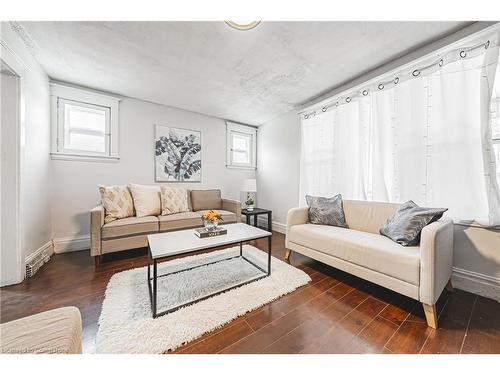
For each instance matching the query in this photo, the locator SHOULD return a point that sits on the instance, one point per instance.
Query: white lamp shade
(249, 184)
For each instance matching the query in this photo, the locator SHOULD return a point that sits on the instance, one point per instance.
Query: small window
(85, 125)
(241, 146)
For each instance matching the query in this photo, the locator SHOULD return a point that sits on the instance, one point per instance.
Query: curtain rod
(438, 54)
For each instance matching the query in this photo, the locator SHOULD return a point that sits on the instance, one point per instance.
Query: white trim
(477, 283)
(69, 244)
(20, 68)
(101, 159)
(277, 226)
(39, 252)
(233, 127)
(78, 94)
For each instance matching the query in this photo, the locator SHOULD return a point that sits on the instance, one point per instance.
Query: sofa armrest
(295, 216)
(96, 223)
(436, 259)
(232, 206)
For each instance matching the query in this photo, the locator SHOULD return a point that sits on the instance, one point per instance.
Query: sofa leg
(97, 261)
(430, 315)
(449, 286)
(288, 252)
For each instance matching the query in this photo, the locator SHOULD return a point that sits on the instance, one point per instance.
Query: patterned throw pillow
(117, 202)
(326, 211)
(406, 224)
(173, 200)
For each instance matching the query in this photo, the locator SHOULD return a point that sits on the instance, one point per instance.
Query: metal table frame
(153, 280)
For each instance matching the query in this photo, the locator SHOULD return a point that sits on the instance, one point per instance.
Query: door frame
(17, 66)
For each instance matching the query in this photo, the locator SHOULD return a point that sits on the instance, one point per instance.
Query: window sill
(240, 167)
(90, 158)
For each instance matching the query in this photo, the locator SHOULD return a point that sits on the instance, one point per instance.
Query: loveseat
(131, 232)
(420, 272)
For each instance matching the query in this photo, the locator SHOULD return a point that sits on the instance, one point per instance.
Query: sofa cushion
(405, 225)
(173, 200)
(147, 200)
(55, 331)
(227, 216)
(206, 200)
(327, 211)
(367, 216)
(369, 250)
(180, 221)
(130, 226)
(117, 202)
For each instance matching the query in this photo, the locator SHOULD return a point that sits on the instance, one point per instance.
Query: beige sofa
(131, 232)
(420, 272)
(57, 331)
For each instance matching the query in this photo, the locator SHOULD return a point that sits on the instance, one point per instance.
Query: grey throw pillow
(406, 224)
(326, 211)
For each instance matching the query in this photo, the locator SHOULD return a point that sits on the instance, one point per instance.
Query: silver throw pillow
(326, 211)
(406, 224)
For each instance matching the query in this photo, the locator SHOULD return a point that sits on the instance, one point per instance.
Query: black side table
(258, 211)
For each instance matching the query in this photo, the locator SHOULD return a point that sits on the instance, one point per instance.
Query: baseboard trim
(278, 227)
(68, 244)
(477, 283)
(40, 251)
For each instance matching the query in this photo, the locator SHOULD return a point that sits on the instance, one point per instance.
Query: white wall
(75, 182)
(476, 250)
(278, 165)
(36, 167)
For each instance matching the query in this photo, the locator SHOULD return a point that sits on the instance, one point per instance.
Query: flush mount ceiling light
(243, 25)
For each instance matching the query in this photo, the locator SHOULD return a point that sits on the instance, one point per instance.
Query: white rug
(126, 324)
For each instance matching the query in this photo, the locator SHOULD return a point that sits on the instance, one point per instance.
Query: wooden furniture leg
(288, 252)
(97, 260)
(430, 315)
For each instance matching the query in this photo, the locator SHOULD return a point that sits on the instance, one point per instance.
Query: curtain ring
(487, 45)
(323, 109)
(306, 116)
(336, 104)
(441, 62)
(365, 92)
(380, 86)
(415, 73)
(396, 80)
(348, 99)
(463, 54)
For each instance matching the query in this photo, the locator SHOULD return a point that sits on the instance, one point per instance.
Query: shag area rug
(126, 324)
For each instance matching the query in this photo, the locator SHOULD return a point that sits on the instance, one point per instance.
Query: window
(241, 146)
(85, 125)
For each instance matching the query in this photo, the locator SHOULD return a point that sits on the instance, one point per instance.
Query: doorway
(11, 259)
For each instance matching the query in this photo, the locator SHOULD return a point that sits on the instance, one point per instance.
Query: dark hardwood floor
(335, 313)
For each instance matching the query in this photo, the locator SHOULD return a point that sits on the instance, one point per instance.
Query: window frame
(245, 130)
(62, 94)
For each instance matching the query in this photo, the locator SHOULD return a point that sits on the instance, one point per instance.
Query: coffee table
(162, 246)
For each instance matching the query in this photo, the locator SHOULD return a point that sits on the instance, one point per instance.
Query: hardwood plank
(338, 338)
(305, 334)
(219, 340)
(372, 338)
(409, 338)
(453, 323)
(265, 336)
(483, 335)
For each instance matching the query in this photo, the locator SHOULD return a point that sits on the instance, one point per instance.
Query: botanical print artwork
(178, 154)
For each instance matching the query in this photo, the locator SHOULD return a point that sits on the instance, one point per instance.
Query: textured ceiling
(207, 67)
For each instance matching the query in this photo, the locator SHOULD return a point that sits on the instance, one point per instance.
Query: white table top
(185, 241)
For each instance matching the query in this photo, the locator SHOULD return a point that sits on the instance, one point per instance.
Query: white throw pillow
(117, 202)
(173, 200)
(146, 199)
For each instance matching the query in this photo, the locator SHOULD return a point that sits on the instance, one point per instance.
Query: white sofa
(420, 272)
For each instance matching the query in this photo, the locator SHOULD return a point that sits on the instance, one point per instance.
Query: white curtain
(427, 139)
